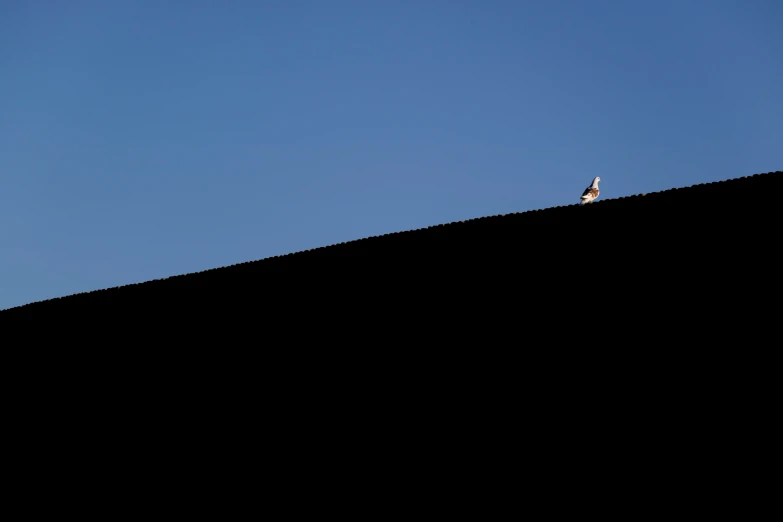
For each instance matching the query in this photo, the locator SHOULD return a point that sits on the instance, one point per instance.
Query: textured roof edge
(399, 232)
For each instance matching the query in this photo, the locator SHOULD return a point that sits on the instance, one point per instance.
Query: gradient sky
(145, 139)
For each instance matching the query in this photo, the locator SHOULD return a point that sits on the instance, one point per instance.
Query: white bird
(590, 192)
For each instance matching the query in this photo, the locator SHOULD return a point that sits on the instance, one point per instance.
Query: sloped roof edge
(532, 211)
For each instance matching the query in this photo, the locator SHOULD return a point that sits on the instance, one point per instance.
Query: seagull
(590, 192)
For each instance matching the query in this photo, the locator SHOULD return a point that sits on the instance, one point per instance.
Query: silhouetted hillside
(696, 255)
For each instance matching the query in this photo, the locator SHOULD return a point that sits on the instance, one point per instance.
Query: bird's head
(595, 181)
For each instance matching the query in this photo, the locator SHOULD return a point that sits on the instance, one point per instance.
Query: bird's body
(590, 192)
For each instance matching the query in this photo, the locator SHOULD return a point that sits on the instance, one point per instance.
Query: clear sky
(145, 139)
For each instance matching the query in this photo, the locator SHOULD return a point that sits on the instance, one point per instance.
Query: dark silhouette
(704, 254)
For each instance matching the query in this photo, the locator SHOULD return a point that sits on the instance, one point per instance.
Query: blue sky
(145, 139)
